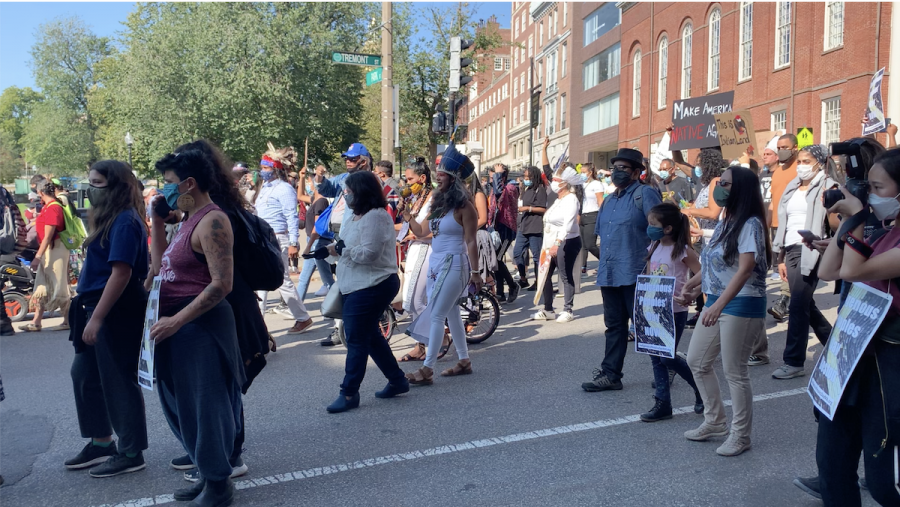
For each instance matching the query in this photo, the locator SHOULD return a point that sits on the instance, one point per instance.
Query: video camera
(857, 173)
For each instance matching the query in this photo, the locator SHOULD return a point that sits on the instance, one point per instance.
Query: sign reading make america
(695, 122)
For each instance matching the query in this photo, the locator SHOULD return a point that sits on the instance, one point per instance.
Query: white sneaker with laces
(323, 290)
(543, 315)
(565, 317)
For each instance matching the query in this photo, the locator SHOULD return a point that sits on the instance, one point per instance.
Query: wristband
(858, 245)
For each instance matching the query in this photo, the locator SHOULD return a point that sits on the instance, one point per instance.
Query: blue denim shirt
(622, 229)
(277, 205)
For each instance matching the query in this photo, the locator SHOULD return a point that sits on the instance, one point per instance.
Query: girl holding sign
(671, 255)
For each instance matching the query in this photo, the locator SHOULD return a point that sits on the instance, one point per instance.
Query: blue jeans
(362, 310)
(662, 365)
(309, 266)
(527, 242)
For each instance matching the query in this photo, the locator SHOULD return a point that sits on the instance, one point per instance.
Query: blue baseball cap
(355, 150)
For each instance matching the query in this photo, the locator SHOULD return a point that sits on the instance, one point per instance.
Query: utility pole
(532, 122)
(387, 84)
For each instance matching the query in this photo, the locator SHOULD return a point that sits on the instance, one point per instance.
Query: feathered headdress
(281, 158)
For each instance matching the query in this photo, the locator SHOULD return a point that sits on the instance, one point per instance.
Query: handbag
(333, 305)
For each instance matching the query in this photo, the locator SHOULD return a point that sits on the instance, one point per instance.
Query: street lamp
(129, 141)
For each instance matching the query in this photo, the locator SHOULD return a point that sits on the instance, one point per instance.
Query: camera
(856, 173)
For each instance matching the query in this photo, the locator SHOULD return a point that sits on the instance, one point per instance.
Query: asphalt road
(519, 431)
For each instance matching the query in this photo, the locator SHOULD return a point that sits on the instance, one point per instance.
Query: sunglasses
(621, 168)
(352, 159)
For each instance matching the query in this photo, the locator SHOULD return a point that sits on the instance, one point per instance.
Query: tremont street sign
(357, 59)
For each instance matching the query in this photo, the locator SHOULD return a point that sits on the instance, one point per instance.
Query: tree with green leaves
(58, 140)
(16, 105)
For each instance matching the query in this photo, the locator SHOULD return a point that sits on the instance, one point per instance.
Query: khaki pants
(734, 337)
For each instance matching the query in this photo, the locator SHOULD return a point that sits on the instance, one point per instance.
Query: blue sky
(19, 21)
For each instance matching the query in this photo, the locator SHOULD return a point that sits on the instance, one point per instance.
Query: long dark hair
(744, 203)
(534, 174)
(670, 215)
(189, 164)
(122, 195)
(367, 192)
(48, 188)
(711, 163)
(223, 189)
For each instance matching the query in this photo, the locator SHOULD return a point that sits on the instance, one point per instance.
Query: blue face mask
(607, 180)
(698, 172)
(171, 193)
(655, 233)
(664, 175)
(527, 183)
(309, 190)
(267, 175)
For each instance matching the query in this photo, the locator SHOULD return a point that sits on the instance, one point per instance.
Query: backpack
(73, 235)
(261, 263)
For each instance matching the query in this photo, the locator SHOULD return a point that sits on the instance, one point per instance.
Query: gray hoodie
(815, 217)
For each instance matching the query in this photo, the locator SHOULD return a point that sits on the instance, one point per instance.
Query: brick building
(488, 104)
(596, 64)
(791, 64)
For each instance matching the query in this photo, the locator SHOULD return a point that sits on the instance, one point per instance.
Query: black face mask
(621, 179)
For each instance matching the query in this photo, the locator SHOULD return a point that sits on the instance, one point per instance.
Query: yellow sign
(805, 137)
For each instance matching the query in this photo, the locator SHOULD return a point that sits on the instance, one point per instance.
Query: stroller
(17, 281)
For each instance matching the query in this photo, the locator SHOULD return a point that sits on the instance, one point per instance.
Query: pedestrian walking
(306, 191)
(502, 217)
(51, 263)
(529, 231)
(593, 198)
(785, 172)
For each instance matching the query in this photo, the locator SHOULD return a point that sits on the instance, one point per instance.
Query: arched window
(661, 97)
(636, 92)
(686, 51)
(715, 24)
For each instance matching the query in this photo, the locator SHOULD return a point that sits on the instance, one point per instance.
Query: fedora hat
(633, 157)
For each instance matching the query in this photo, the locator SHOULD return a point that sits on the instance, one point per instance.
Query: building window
(522, 84)
(604, 66)
(505, 63)
(782, 34)
(515, 87)
(498, 63)
(715, 24)
(746, 54)
(687, 37)
(779, 120)
(523, 111)
(530, 46)
(522, 53)
(517, 28)
(515, 53)
(601, 21)
(834, 25)
(564, 60)
(515, 116)
(552, 28)
(551, 69)
(562, 112)
(600, 115)
(565, 12)
(661, 96)
(541, 38)
(540, 72)
(550, 116)
(636, 89)
(831, 120)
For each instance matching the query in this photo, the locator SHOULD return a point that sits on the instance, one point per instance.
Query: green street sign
(373, 76)
(357, 59)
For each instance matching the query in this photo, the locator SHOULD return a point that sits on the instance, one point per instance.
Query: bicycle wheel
(387, 323)
(481, 316)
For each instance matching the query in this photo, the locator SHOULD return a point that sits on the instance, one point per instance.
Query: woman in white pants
(453, 223)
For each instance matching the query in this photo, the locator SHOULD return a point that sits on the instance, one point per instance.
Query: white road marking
(436, 451)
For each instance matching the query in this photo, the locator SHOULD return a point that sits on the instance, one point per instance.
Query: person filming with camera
(868, 415)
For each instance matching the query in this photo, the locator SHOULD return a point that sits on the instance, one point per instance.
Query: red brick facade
(488, 107)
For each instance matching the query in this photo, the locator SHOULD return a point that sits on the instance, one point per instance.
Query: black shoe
(601, 383)
(191, 492)
(182, 463)
(342, 404)
(533, 287)
(692, 322)
(6, 328)
(523, 283)
(215, 494)
(671, 380)
(661, 410)
(118, 465)
(392, 390)
(779, 310)
(513, 293)
(809, 485)
(501, 298)
(92, 455)
(327, 342)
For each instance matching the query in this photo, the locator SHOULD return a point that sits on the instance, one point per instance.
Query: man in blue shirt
(277, 205)
(622, 229)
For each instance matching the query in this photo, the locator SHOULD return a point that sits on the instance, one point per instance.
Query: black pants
(362, 309)
(859, 426)
(507, 237)
(4, 317)
(566, 256)
(589, 235)
(618, 307)
(525, 242)
(803, 310)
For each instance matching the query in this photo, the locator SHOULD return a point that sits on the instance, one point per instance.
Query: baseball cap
(355, 150)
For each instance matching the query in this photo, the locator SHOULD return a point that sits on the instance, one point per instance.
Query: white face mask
(806, 172)
(554, 186)
(884, 208)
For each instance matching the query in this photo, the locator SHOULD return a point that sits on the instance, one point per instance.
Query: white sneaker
(323, 290)
(543, 315)
(565, 317)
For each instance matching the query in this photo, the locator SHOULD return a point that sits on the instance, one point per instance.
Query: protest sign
(148, 346)
(762, 139)
(736, 134)
(875, 121)
(694, 124)
(543, 270)
(654, 317)
(662, 152)
(856, 324)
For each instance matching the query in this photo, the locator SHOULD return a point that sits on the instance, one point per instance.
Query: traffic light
(457, 80)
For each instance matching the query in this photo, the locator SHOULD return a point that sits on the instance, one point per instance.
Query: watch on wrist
(295, 244)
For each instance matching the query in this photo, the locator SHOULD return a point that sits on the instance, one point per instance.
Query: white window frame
(517, 27)
(636, 85)
(506, 65)
(530, 46)
(745, 52)
(778, 120)
(714, 27)
(562, 112)
(834, 25)
(687, 52)
(565, 60)
(516, 116)
(515, 87)
(550, 117)
(515, 52)
(831, 120)
(782, 34)
(661, 92)
(565, 13)
(498, 63)
(541, 37)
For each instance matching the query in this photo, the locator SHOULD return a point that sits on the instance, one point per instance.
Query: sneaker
(543, 315)
(501, 298)
(601, 383)
(6, 328)
(533, 287)
(238, 468)
(757, 361)
(300, 327)
(323, 291)
(733, 446)
(565, 317)
(118, 465)
(706, 431)
(788, 372)
(523, 283)
(283, 310)
(809, 485)
(661, 411)
(513, 293)
(779, 310)
(92, 455)
(182, 463)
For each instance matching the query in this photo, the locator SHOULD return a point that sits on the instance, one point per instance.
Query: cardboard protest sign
(146, 358)
(662, 152)
(654, 317)
(736, 134)
(543, 270)
(856, 324)
(762, 139)
(695, 125)
(875, 121)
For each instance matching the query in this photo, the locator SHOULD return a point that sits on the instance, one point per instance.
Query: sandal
(272, 345)
(445, 348)
(30, 328)
(459, 369)
(410, 357)
(61, 327)
(424, 376)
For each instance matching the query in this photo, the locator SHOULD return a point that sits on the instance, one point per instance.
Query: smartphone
(808, 236)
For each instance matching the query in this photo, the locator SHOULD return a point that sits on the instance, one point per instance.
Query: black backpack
(12, 226)
(257, 253)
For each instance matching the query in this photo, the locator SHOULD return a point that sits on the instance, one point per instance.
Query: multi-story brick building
(596, 64)
(791, 64)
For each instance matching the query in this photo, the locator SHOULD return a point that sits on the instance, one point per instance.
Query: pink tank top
(183, 274)
(662, 264)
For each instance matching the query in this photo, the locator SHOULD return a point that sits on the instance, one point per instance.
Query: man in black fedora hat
(622, 229)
